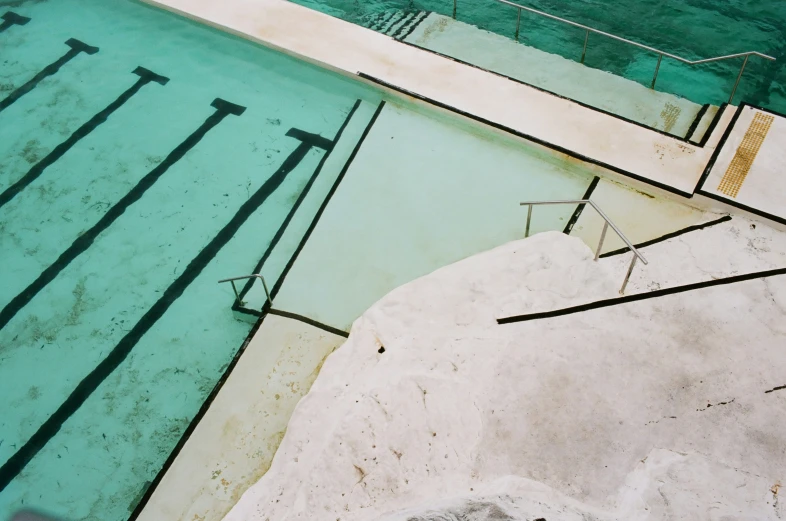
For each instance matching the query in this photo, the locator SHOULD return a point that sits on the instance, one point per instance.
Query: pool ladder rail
(259, 276)
(587, 30)
(606, 224)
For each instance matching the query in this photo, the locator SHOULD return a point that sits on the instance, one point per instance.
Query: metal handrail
(660, 53)
(606, 224)
(243, 277)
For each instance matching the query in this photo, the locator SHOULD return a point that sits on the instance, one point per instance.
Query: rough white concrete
(235, 442)
(764, 187)
(656, 409)
(350, 49)
(556, 74)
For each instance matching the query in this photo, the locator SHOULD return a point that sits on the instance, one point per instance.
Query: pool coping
(621, 146)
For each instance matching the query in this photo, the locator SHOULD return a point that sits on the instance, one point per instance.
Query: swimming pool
(134, 177)
(149, 157)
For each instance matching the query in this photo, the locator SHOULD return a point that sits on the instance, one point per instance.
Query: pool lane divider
(695, 123)
(318, 142)
(277, 286)
(145, 76)
(17, 462)
(77, 48)
(668, 236)
(580, 208)
(10, 19)
(641, 296)
(84, 241)
(328, 147)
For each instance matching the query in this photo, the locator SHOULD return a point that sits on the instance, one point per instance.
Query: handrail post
(602, 236)
(237, 295)
(655, 77)
(584, 52)
(267, 293)
(739, 76)
(529, 218)
(627, 275)
(518, 24)
(454, 9)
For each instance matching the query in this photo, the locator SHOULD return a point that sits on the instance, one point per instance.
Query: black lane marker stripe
(572, 100)
(717, 151)
(145, 77)
(315, 141)
(217, 388)
(779, 388)
(641, 296)
(528, 137)
(11, 18)
(76, 48)
(415, 25)
(120, 352)
(282, 277)
(280, 232)
(668, 236)
(714, 123)
(580, 208)
(695, 123)
(406, 20)
(83, 242)
(309, 321)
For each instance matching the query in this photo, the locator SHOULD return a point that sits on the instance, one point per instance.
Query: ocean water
(694, 29)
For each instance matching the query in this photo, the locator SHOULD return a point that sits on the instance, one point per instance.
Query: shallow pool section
(140, 165)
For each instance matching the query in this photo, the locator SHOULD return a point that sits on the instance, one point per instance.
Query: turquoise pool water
(114, 329)
(693, 29)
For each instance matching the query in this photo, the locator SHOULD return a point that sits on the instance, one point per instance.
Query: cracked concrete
(656, 409)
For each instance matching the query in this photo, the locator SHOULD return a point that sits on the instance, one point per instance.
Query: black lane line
(528, 137)
(309, 321)
(145, 77)
(120, 352)
(641, 296)
(695, 123)
(413, 26)
(731, 202)
(580, 208)
(11, 18)
(668, 236)
(84, 241)
(316, 140)
(572, 100)
(717, 151)
(303, 193)
(76, 48)
(280, 281)
(711, 128)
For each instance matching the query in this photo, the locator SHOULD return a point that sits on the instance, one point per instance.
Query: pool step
(550, 72)
(276, 264)
(395, 23)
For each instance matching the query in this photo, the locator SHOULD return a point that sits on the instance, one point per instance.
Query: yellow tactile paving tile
(746, 153)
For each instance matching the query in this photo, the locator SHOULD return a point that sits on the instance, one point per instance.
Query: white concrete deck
(764, 187)
(234, 444)
(351, 49)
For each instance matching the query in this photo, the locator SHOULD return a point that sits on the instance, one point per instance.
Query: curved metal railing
(660, 53)
(606, 224)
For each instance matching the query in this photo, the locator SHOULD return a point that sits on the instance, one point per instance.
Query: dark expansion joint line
(77, 47)
(84, 241)
(11, 19)
(145, 77)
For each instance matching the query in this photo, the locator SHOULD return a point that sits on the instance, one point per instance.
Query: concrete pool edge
(561, 124)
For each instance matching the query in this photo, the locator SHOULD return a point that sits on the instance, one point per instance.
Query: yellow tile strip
(743, 159)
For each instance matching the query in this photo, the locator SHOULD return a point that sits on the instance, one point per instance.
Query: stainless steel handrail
(660, 53)
(606, 224)
(243, 277)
